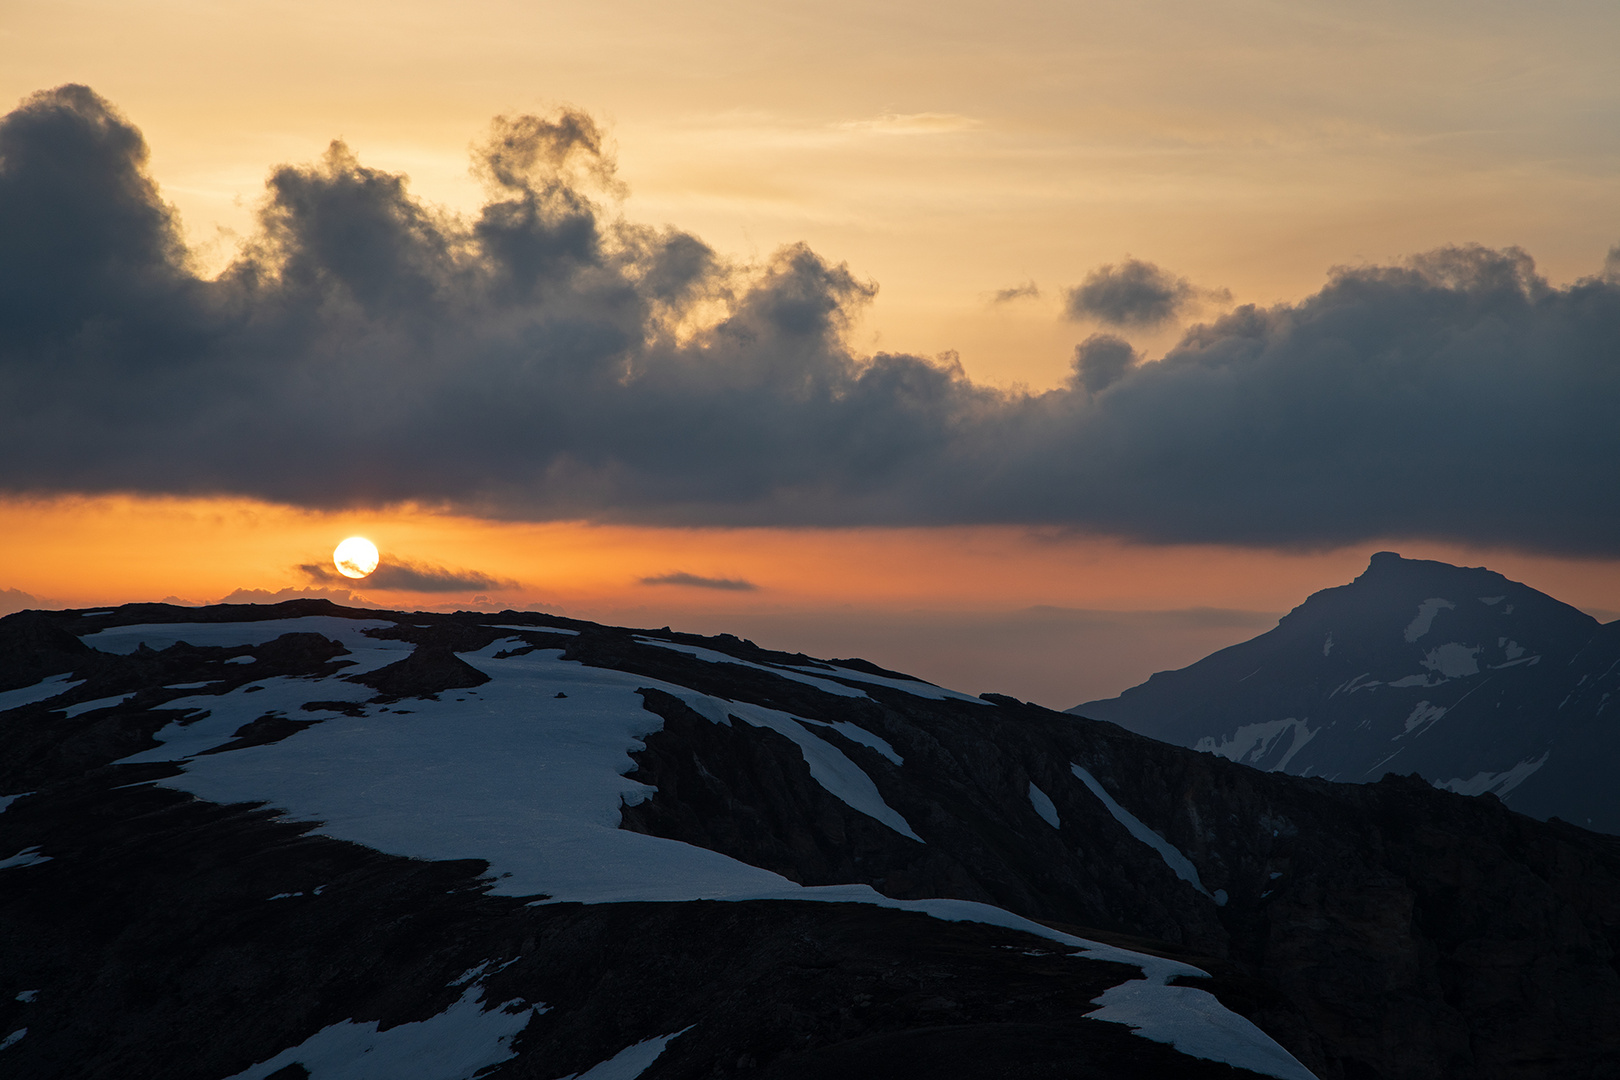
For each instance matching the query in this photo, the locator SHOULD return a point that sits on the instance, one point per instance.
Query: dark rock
(428, 671)
(33, 647)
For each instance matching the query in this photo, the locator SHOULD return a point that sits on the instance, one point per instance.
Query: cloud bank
(400, 575)
(545, 359)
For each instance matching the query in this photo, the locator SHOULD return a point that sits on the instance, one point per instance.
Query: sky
(1026, 347)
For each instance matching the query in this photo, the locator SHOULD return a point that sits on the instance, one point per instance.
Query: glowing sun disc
(355, 557)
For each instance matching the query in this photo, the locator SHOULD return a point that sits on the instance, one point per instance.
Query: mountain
(303, 840)
(1472, 681)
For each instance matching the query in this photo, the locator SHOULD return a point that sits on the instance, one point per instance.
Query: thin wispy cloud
(1027, 291)
(927, 123)
(544, 359)
(698, 581)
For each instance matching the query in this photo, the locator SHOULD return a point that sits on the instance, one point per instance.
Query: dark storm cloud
(682, 578)
(543, 359)
(404, 576)
(1134, 293)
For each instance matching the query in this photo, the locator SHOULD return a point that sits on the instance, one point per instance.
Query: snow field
(532, 783)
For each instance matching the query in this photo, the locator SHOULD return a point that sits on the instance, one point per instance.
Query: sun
(355, 557)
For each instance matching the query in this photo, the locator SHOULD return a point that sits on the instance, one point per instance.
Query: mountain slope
(1475, 682)
(307, 840)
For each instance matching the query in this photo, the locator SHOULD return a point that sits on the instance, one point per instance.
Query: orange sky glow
(973, 161)
(1052, 616)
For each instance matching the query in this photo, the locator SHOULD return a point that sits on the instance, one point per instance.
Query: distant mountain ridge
(1477, 683)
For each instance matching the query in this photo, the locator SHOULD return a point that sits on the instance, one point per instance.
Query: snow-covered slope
(310, 841)
(1475, 682)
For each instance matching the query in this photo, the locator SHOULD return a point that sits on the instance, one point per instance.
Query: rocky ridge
(249, 841)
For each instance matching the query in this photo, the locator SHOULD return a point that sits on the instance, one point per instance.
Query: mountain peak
(1392, 567)
(1475, 681)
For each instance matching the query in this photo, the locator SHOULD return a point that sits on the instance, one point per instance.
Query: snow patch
(1425, 617)
(630, 1062)
(1327, 646)
(454, 1045)
(13, 1039)
(224, 713)
(527, 781)
(1491, 601)
(909, 686)
(713, 657)
(1418, 720)
(1498, 784)
(1454, 660)
(40, 691)
(7, 800)
(856, 733)
(1356, 684)
(28, 997)
(1417, 680)
(1513, 650)
(1178, 863)
(829, 767)
(1043, 805)
(1193, 1022)
(1252, 743)
(25, 857)
(1189, 1019)
(91, 706)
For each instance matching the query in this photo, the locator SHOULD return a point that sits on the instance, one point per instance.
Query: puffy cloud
(545, 359)
(681, 577)
(1102, 360)
(1134, 293)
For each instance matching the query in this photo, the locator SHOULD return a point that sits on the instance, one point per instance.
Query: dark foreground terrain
(304, 840)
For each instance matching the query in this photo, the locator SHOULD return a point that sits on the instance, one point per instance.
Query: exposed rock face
(1383, 930)
(1472, 681)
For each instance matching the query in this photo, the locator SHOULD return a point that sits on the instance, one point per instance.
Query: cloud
(1027, 291)
(544, 359)
(1102, 360)
(911, 124)
(12, 600)
(404, 576)
(680, 577)
(1134, 293)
